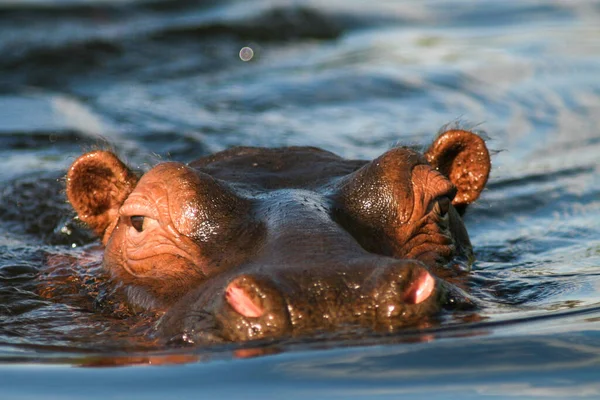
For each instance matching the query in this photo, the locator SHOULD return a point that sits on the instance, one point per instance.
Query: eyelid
(445, 187)
(141, 208)
(450, 192)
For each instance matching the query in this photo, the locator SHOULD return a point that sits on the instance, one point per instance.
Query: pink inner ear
(420, 289)
(241, 302)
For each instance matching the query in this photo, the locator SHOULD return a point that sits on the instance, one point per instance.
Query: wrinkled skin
(256, 243)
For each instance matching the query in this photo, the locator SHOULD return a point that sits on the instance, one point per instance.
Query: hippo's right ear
(97, 185)
(463, 157)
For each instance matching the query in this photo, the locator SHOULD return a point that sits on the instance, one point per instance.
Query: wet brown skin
(254, 242)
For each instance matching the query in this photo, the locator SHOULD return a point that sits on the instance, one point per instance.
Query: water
(165, 80)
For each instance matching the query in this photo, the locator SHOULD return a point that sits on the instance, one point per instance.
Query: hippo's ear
(97, 185)
(463, 157)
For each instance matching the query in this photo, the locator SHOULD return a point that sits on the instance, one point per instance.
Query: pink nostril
(420, 289)
(241, 301)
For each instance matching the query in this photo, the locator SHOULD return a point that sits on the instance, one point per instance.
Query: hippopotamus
(256, 243)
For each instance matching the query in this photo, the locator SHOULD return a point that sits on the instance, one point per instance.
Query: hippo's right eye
(137, 221)
(443, 205)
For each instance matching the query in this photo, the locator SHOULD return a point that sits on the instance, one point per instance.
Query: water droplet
(246, 54)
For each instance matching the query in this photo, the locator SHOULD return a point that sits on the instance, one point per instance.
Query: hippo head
(253, 242)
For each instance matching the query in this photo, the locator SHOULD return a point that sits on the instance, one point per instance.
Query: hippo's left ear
(463, 157)
(97, 185)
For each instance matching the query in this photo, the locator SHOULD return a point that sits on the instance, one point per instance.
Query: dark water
(160, 80)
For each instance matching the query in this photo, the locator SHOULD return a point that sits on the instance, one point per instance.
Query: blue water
(163, 80)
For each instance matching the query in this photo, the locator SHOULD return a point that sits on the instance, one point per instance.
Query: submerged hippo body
(254, 242)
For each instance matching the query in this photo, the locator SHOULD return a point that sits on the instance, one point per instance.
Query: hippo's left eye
(137, 221)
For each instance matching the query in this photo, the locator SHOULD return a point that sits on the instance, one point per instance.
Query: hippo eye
(137, 221)
(443, 205)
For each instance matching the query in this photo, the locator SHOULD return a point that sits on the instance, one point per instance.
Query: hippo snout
(379, 294)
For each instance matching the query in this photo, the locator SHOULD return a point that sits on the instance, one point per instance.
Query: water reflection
(547, 365)
(478, 357)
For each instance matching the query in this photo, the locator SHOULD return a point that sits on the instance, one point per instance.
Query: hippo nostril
(420, 289)
(242, 296)
(404, 292)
